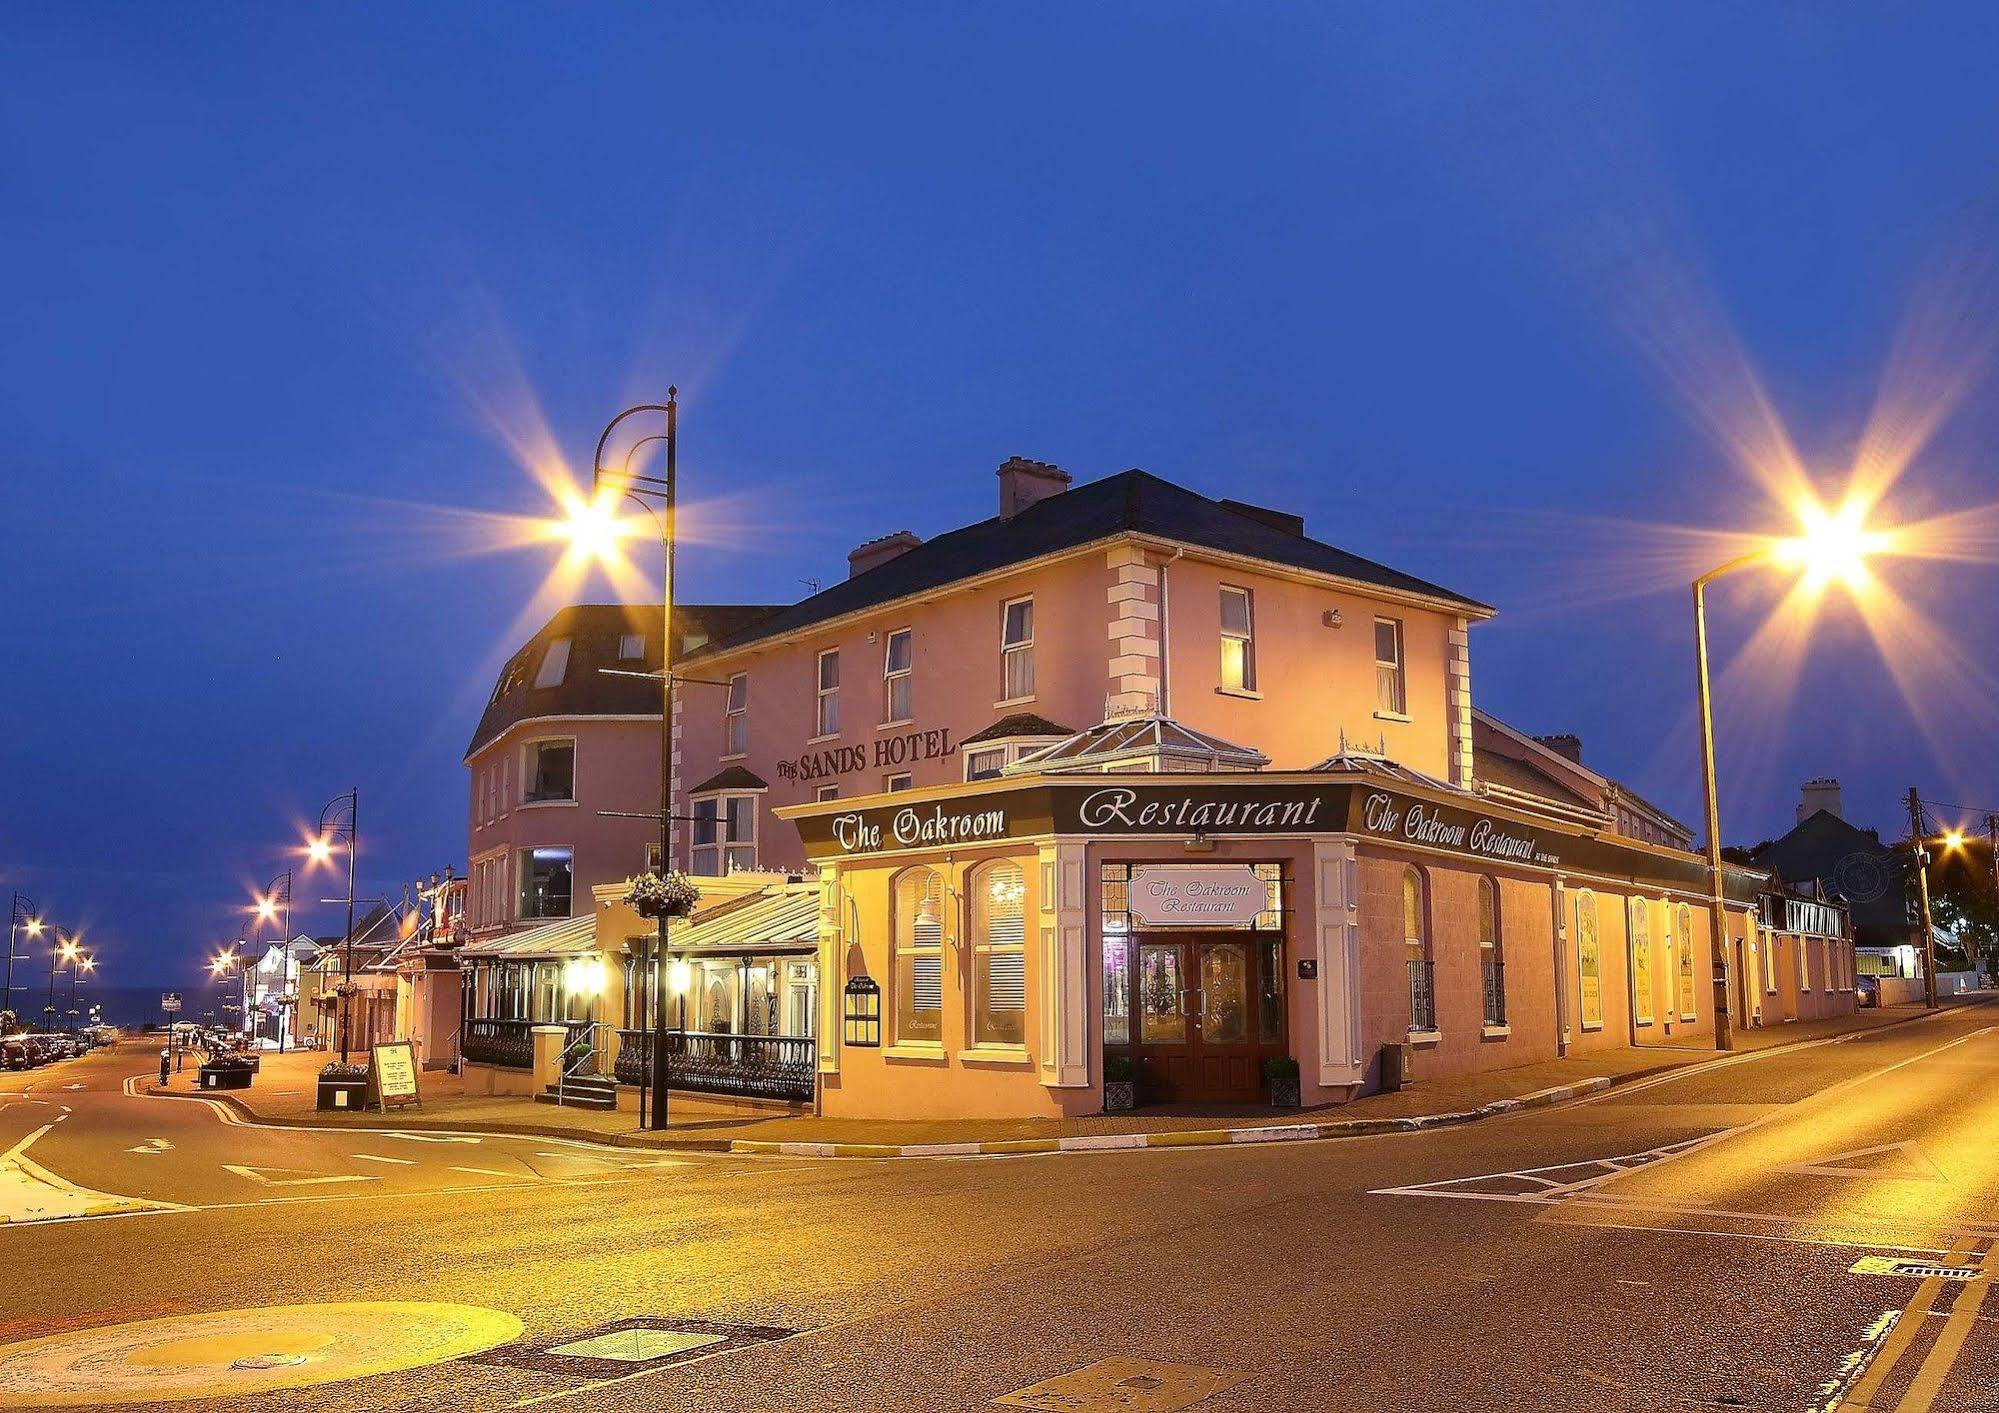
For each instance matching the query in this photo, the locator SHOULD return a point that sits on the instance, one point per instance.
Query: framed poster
(395, 1074)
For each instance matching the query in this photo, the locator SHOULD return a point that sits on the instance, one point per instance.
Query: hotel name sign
(884, 754)
(1132, 810)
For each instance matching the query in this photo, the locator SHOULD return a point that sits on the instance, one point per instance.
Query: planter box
(343, 1094)
(1284, 1093)
(225, 1077)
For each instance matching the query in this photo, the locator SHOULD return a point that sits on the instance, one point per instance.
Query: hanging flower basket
(649, 895)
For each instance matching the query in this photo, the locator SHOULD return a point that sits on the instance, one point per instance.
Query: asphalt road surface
(1809, 1229)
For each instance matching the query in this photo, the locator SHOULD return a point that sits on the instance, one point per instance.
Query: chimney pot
(1024, 482)
(876, 552)
(1569, 747)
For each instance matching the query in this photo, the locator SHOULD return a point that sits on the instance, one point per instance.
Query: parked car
(14, 1054)
(1867, 991)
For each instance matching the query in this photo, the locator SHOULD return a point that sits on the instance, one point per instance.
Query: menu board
(395, 1073)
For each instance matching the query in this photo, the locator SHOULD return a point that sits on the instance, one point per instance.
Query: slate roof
(1020, 723)
(1854, 865)
(1514, 774)
(594, 631)
(1129, 502)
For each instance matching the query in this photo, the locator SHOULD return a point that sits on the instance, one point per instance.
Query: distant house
(1851, 865)
(1511, 767)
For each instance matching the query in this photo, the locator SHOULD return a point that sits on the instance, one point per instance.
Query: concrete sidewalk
(284, 1093)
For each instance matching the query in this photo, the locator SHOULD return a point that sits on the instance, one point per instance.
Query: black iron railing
(1495, 992)
(1422, 996)
(634, 1062)
(746, 1066)
(510, 1043)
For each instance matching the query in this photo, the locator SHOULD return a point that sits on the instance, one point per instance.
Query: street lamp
(1832, 544)
(274, 904)
(340, 820)
(60, 950)
(591, 531)
(85, 962)
(22, 916)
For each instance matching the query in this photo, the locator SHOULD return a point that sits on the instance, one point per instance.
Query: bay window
(546, 883)
(725, 834)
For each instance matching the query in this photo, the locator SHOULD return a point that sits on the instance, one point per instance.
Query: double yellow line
(1921, 1394)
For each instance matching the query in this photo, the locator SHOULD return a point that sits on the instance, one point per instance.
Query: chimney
(880, 551)
(1276, 519)
(1568, 747)
(1023, 482)
(1819, 794)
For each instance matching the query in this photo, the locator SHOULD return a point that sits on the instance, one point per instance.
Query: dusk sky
(1499, 295)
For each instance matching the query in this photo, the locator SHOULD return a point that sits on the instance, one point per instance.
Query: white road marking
(152, 1145)
(380, 1158)
(258, 1175)
(491, 1172)
(432, 1137)
(1913, 1165)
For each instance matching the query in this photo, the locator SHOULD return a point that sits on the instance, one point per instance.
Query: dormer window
(554, 664)
(631, 647)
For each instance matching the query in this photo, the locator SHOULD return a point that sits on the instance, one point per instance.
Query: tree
(1964, 900)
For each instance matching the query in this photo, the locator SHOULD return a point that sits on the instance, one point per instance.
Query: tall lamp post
(85, 962)
(60, 950)
(646, 490)
(1833, 545)
(22, 917)
(341, 820)
(274, 904)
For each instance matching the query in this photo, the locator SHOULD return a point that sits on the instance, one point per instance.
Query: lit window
(554, 664)
(919, 957)
(895, 677)
(1391, 693)
(1017, 650)
(999, 963)
(1640, 913)
(986, 764)
(829, 693)
(631, 647)
(549, 772)
(546, 883)
(1238, 641)
(900, 781)
(1589, 962)
(1683, 937)
(736, 717)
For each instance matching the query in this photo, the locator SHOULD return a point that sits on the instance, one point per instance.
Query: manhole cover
(1916, 1270)
(1128, 1385)
(645, 1342)
(636, 1346)
(237, 1354)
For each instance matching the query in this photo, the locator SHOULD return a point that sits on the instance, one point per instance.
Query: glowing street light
(22, 916)
(1831, 544)
(61, 949)
(341, 819)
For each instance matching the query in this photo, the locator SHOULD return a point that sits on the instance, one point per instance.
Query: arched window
(1416, 952)
(1640, 929)
(919, 957)
(1492, 959)
(999, 955)
(1589, 962)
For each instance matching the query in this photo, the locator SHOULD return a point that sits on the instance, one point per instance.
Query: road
(1685, 1242)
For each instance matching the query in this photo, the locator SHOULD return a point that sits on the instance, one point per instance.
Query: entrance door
(1197, 1038)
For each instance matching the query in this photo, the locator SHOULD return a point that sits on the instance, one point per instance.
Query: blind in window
(926, 989)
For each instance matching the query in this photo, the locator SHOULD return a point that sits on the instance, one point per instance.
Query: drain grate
(640, 1343)
(1915, 1270)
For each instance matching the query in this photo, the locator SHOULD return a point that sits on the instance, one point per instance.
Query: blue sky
(1483, 291)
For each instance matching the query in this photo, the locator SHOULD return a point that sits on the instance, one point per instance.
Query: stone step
(573, 1097)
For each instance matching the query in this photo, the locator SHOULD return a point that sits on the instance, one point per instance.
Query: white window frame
(890, 787)
(892, 676)
(985, 948)
(826, 699)
(1014, 652)
(631, 647)
(973, 754)
(530, 769)
(1246, 636)
(730, 852)
(1397, 667)
(736, 717)
(826, 792)
(522, 854)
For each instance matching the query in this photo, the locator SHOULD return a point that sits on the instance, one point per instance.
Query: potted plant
(650, 895)
(1280, 1072)
(1120, 1091)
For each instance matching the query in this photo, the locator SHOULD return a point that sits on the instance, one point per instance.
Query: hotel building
(1126, 775)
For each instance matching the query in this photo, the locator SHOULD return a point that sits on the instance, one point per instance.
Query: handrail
(580, 1050)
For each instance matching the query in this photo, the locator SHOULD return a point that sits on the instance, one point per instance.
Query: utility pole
(1921, 853)
(1992, 842)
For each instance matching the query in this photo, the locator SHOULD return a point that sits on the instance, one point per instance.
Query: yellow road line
(1899, 1341)
(1950, 1342)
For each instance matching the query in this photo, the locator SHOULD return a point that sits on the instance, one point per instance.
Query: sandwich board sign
(395, 1074)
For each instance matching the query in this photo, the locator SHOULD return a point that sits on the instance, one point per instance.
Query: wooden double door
(1205, 1010)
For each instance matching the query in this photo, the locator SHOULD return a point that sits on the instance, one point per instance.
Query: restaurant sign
(1196, 895)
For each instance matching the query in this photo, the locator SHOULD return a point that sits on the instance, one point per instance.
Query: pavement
(1723, 1234)
(284, 1092)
